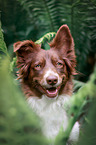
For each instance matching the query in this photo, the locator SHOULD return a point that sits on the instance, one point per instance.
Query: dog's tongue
(52, 92)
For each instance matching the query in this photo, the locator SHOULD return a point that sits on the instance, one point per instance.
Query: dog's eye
(59, 64)
(37, 67)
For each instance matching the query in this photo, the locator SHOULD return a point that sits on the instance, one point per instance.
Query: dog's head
(47, 71)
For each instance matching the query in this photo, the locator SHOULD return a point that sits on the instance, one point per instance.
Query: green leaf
(47, 36)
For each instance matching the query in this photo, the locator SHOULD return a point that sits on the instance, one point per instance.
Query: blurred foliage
(3, 47)
(18, 124)
(88, 137)
(78, 101)
(77, 85)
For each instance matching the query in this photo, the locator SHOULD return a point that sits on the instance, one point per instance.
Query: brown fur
(30, 54)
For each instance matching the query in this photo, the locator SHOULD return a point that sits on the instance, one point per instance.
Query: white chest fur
(53, 115)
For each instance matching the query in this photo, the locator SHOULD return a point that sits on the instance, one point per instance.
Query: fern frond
(47, 37)
(42, 12)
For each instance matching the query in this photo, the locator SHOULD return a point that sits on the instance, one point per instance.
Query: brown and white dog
(46, 79)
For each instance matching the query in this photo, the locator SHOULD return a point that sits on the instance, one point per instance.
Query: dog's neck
(38, 104)
(52, 113)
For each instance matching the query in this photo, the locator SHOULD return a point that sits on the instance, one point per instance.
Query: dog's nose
(52, 80)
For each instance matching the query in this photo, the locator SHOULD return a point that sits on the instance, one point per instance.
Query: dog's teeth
(52, 91)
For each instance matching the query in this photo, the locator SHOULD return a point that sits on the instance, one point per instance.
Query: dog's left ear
(64, 44)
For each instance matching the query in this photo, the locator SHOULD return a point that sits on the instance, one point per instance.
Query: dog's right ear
(25, 51)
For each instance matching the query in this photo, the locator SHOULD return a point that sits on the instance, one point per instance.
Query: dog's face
(47, 70)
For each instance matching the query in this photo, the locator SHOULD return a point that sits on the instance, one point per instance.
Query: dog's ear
(64, 44)
(24, 48)
(63, 40)
(25, 51)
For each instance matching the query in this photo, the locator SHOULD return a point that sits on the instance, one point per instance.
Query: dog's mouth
(51, 92)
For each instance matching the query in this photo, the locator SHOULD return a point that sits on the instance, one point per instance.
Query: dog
(46, 79)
